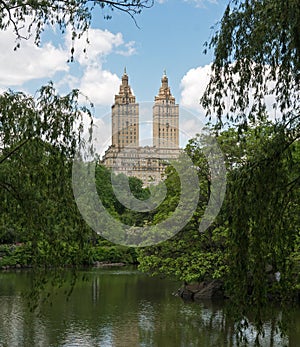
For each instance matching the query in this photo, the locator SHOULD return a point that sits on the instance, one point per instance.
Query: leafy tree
(256, 233)
(48, 123)
(109, 200)
(189, 255)
(39, 137)
(262, 211)
(257, 54)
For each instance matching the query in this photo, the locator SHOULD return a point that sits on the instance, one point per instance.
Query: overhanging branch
(14, 150)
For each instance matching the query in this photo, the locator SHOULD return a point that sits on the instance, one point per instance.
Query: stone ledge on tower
(125, 95)
(164, 93)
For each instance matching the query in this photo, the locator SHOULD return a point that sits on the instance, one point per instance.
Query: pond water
(120, 307)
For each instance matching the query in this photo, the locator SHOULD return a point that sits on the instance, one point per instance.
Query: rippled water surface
(121, 308)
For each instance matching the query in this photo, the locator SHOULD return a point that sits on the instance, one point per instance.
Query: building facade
(165, 118)
(125, 155)
(125, 117)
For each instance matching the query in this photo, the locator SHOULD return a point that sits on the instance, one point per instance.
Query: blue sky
(170, 36)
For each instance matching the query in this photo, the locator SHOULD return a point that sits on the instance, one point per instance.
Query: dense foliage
(40, 223)
(40, 135)
(254, 243)
(38, 140)
(189, 255)
(256, 55)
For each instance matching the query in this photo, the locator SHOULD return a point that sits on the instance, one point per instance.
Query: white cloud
(96, 44)
(198, 3)
(101, 134)
(201, 3)
(99, 85)
(86, 73)
(28, 62)
(129, 49)
(100, 44)
(68, 80)
(193, 85)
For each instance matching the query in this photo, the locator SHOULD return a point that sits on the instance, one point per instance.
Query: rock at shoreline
(213, 289)
(107, 264)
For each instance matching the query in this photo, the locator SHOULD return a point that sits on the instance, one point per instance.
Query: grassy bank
(22, 255)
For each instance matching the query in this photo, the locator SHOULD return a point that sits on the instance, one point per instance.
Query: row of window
(127, 111)
(127, 132)
(124, 123)
(122, 138)
(167, 130)
(131, 140)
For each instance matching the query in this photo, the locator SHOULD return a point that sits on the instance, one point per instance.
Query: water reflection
(122, 308)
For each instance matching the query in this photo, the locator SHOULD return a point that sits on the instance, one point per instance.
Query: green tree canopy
(256, 235)
(256, 54)
(257, 51)
(39, 137)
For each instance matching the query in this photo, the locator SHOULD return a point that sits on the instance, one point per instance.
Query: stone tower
(125, 117)
(165, 118)
(125, 156)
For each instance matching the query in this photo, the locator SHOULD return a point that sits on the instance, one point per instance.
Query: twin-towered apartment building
(125, 155)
